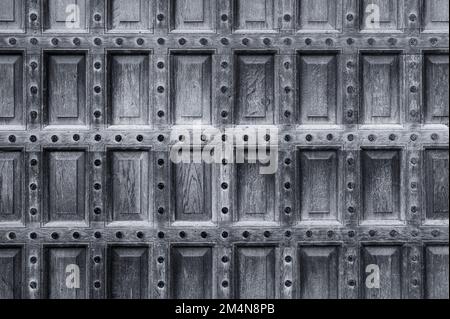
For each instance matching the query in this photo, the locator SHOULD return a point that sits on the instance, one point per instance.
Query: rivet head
(392, 41)
(287, 17)
(224, 284)
(267, 234)
(287, 233)
(160, 89)
(97, 259)
(287, 138)
(118, 138)
(34, 41)
(34, 90)
(371, 41)
(97, 210)
(161, 210)
(413, 113)
(245, 234)
(76, 41)
(309, 137)
(224, 17)
(33, 65)
(98, 138)
(350, 137)
(415, 282)
(203, 41)
(224, 114)
(329, 42)
(55, 41)
(434, 137)
(224, 64)
(287, 113)
(224, 41)
(435, 233)
(412, 17)
(160, 260)
(97, 89)
(392, 137)
(245, 41)
(372, 138)
(309, 233)
(182, 41)
(203, 234)
(223, 89)
(350, 17)
(413, 89)
(413, 137)
(393, 233)
(288, 259)
(160, 114)
(161, 41)
(161, 186)
(225, 259)
(33, 17)
(33, 285)
(434, 41)
(33, 139)
(97, 17)
(350, 41)
(224, 234)
(352, 283)
(330, 233)
(350, 161)
(119, 41)
(288, 283)
(12, 41)
(160, 65)
(224, 210)
(224, 186)
(414, 161)
(351, 233)
(160, 17)
(12, 139)
(372, 233)
(97, 114)
(266, 41)
(33, 211)
(308, 41)
(97, 41)
(413, 42)
(54, 138)
(97, 285)
(33, 162)
(140, 41)
(139, 138)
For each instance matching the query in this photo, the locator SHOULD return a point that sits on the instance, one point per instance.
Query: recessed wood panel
(128, 272)
(388, 259)
(65, 273)
(435, 15)
(436, 184)
(319, 185)
(436, 272)
(11, 179)
(318, 79)
(319, 15)
(11, 90)
(65, 15)
(65, 186)
(192, 196)
(256, 273)
(255, 193)
(255, 15)
(129, 79)
(381, 185)
(10, 273)
(191, 88)
(380, 89)
(130, 182)
(255, 103)
(65, 100)
(191, 272)
(130, 15)
(380, 15)
(12, 13)
(436, 77)
(192, 15)
(319, 272)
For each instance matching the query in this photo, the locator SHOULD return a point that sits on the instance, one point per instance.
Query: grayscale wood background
(86, 114)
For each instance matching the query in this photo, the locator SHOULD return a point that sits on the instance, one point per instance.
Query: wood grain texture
(435, 15)
(11, 90)
(59, 261)
(389, 261)
(130, 15)
(319, 272)
(319, 185)
(318, 15)
(10, 273)
(191, 96)
(129, 80)
(11, 190)
(128, 272)
(65, 15)
(436, 184)
(381, 185)
(256, 273)
(436, 272)
(12, 13)
(65, 101)
(255, 102)
(255, 15)
(65, 186)
(191, 272)
(381, 89)
(192, 15)
(436, 76)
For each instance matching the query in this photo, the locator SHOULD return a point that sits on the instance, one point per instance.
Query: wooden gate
(92, 207)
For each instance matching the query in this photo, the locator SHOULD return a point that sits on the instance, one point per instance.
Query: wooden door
(92, 93)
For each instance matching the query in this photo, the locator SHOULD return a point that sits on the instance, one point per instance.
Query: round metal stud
(224, 41)
(204, 234)
(392, 41)
(76, 235)
(160, 17)
(55, 41)
(76, 41)
(309, 137)
(34, 90)
(12, 139)
(33, 17)
(161, 138)
(97, 186)
(98, 235)
(98, 41)
(34, 41)
(33, 260)
(97, 17)
(224, 17)
(160, 260)
(33, 139)
(97, 285)
(54, 138)
(350, 41)
(412, 17)
(160, 114)
(350, 17)
(12, 41)
(329, 42)
(33, 211)
(413, 42)
(140, 41)
(76, 137)
(308, 41)
(161, 210)
(182, 41)
(434, 137)
(267, 41)
(119, 235)
(54, 236)
(97, 210)
(161, 41)
(225, 234)
(97, 89)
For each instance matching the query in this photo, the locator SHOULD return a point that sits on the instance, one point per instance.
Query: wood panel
(65, 186)
(255, 103)
(319, 272)
(388, 260)
(128, 272)
(435, 15)
(128, 87)
(10, 272)
(381, 185)
(191, 272)
(191, 96)
(65, 101)
(130, 15)
(11, 187)
(436, 184)
(130, 179)
(11, 90)
(12, 13)
(317, 80)
(319, 185)
(255, 15)
(435, 88)
(256, 273)
(192, 15)
(380, 80)
(319, 15)
(65, 15)
(192, 191)
(65, 273)
(436, 272)
(381, 15)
